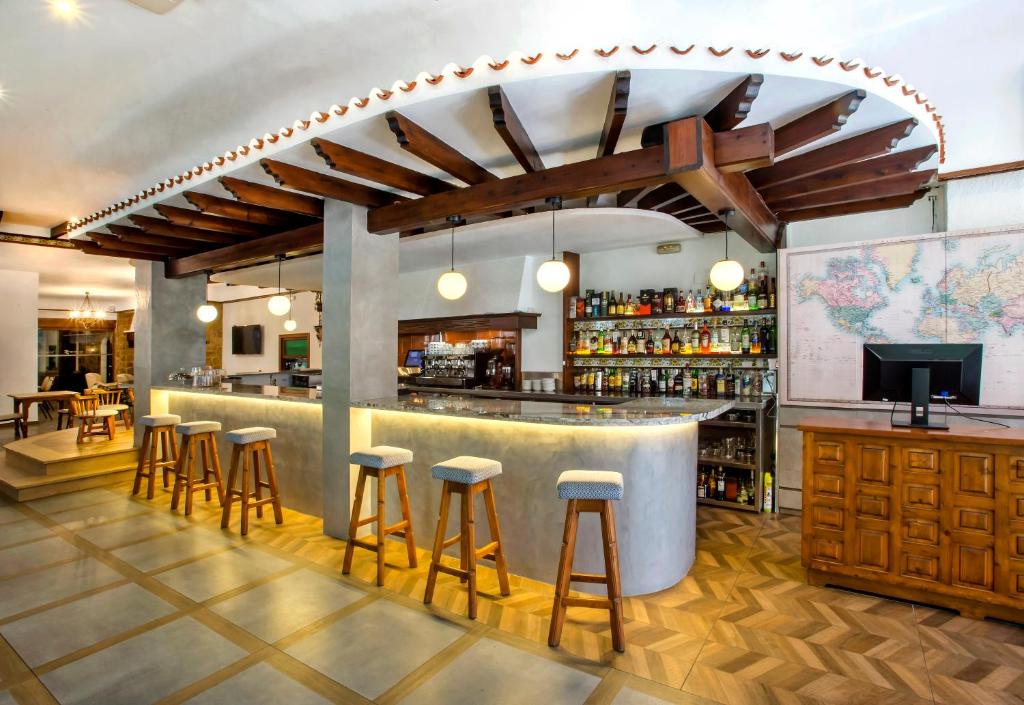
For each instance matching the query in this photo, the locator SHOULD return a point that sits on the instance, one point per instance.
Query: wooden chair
(157, 435)
(111, 399)
(92, 420)
(467, 476)
(248, 446)
(589, 491)
(197, 438)
(380, 462)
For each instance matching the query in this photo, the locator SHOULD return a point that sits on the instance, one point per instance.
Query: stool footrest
(452, 541)
(396, 528)
(457, 572)
(487, 551)
(364, 544)
(588, 578)
(367, 520)
(600, 603)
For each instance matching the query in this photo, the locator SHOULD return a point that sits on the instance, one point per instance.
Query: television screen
(247, 340)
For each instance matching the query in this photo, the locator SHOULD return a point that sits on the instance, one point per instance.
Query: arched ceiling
(96, 111)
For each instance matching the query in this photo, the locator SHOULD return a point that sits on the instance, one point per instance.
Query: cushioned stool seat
(590, 484)
(466, 470)
(160, 420)
(241, 436)
(101, 413)
(381, 457)
(190, 428)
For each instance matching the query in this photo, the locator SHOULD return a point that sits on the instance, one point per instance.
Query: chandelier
(85, 315)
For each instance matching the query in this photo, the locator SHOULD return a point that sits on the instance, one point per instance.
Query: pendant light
(727, 274)
(291, 324)
(279, 304)
(207, 313)
(553, 275)
(452, 285)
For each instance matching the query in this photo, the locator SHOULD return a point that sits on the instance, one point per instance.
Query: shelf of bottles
(734, 457)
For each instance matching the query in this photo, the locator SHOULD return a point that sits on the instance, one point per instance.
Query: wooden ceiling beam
(853, 149)
(159, 226)
(198, 219)
(137, 236)
(510, 128)
(734, 108)
(270, 197)
(366, 166)
(630, 197)
(618, 104)
(91, 248)
(433, 150)
(660, 197)
(328, 186)
(898, 185)
(691, 142)
(852, 174)
(683, 205)
(301, 241)
(818, 123)
(854, 207)
(60, 230)
(237, 210)
(744, 148)
(112, 241)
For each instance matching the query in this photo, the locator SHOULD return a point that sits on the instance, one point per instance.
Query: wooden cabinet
(931, 516)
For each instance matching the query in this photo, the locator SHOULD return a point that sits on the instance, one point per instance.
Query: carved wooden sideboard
(930, 516)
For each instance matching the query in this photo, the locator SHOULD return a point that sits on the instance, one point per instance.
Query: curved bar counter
(652, 442)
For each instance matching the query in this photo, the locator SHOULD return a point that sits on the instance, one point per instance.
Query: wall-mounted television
(247, 340)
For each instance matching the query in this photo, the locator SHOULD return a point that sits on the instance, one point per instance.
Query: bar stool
(467, 476)
(197, 436)
(589, 491)
(248, 444)
(158, 433)
(380, 462)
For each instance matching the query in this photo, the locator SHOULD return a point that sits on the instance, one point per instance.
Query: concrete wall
(254, 311)
(18, 345)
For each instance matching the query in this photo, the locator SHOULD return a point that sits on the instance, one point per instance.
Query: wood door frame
(291, 336)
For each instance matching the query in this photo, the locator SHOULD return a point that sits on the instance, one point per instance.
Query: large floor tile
(132, 529)
(48, 635)
(7, 699)
(490, 671)
(259, 685)
(9, 513)
(73, 500)
(162, 551)
(21, 531)
(43, 587)
(36, 554)
(145, 668)
(82, 517)
(202, 579)
(372, 649)
(628, 696)
(282, 606)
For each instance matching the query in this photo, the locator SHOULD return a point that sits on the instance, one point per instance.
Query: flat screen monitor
(247, 340)
(414, 358)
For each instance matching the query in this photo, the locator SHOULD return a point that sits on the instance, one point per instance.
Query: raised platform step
(54, 463)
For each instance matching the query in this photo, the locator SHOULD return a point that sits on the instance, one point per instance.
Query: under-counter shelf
(727, 504)
(763, 430)
(667, 316)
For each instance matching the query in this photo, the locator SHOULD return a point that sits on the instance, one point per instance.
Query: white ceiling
(68, 274)
(95, 111)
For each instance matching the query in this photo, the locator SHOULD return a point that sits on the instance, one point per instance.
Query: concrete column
(360, 300)
(168, 336)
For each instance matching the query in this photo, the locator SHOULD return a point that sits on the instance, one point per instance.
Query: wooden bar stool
(158, 434)
(248, 445)
(380, 462)
(197, 438)
(467, 476)
(589, 491)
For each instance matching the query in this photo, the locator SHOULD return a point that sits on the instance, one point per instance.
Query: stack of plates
(547, 384)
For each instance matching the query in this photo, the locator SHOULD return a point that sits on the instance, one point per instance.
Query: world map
(957, 288)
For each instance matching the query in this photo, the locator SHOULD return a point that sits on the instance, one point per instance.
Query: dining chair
(92, 420)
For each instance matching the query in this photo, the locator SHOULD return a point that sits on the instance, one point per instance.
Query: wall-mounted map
(965, 287)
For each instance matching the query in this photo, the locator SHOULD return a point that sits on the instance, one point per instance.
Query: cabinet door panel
(1016, 468)
(1016, 507)
(979, 521)
(828, 485)
(919, 496)
(974, 474)
(827, 549)
(973, 566)
(872, 507)
(827, 517)
(919, 566)
(873, 468)
(924, 460)
(1016, 583)
(922, 531)
(872, 549)
(830, 452)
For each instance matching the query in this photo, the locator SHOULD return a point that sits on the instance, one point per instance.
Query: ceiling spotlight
(66, 10)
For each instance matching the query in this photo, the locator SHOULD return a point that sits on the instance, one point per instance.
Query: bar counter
(651, 441)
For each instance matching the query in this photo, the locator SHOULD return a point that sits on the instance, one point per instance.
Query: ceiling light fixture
(727, 274)
(291, 323)
(278, 304)
(66, 10)
(452, 285)
(207, 313)
(553, 275)
(85, 315)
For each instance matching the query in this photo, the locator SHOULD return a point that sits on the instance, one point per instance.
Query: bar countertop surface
(644, 411)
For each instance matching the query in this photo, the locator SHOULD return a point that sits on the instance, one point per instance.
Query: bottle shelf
(712, 460)
(726, 504)
(690, 356)
(670, 316)
(715, 423)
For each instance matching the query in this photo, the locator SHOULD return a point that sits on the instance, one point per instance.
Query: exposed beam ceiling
(159, 226)
(137, 236)
(898, 185)
(301, 241)
(618, 105)
(198, 219)
(328, 186)
(104, 240)
(662, 196)
(260, 215)
(866, 206)
(366, 166)
(511, 130)
(817, 124)
(734, 108)
(270, 197)
(415, 140)
(91, 248)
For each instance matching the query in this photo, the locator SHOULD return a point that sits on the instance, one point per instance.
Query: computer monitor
(919, 373)
(414, 358)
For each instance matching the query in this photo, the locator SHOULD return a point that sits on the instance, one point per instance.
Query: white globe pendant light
(452, 285)
(290, 325)
(726, 274)
(553, 275)
(207, 313)
(279, 304)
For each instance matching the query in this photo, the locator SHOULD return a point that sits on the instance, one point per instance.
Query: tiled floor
(106, 599)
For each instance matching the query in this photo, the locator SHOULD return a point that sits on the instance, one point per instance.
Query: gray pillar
(360, 300)
(168, 335)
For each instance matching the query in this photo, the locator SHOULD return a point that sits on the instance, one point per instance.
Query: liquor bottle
(714, 340)
(657, 300)
(604, 303)
(592, 348)
(730, 384)
(679, 382)
(649, 343)
(755, 340)
(745, 338)
(620, 307)
(595, 303)
(735, 344)
(765, 335)
(720, 484)
(666, 343)
(645, 385)
(694, 384)
(752, 289)
(631, 344)
(629, 305)
(657, 343)
(762, 278)
(705, 339)
(718, 301)
(694, 339)
(771, 293)
(677, 344)
(691, 303)
(701, 493)
(702, 385)
(720, 384)
(680, 302)
(670, 383)
(573, 342)
(614, 345)
(663, 382)
(707, 300)
(669, 304)
(773, 334)
(723, 337)
(588, 306)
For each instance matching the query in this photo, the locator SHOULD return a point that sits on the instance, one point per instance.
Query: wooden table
(23, 402)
